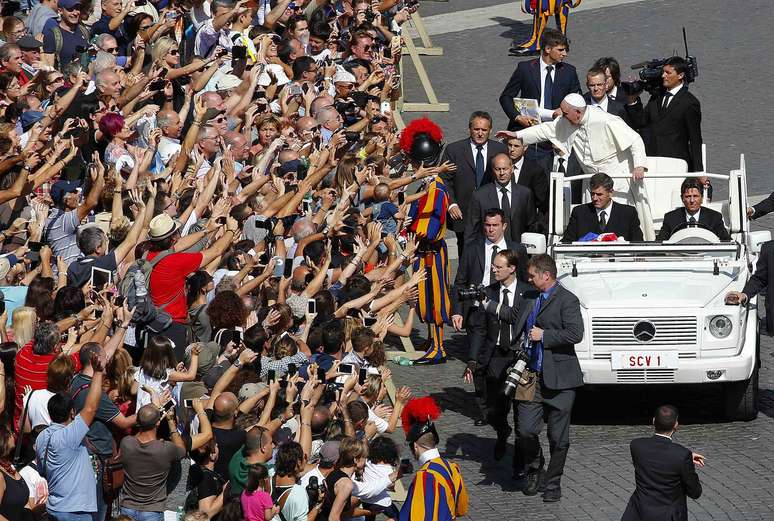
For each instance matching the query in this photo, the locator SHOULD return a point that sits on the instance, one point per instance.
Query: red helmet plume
(419, 411)
(419, 126)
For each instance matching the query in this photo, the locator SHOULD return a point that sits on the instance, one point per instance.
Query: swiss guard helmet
(417, 419)
(422, 141)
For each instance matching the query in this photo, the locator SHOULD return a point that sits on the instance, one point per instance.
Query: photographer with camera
(551, 324)
(476, 270)
(672, 116)
(498, 354)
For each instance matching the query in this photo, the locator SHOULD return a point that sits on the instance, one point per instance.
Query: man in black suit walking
(602, 214)
(530, 174)
(664, 471)
(672, 119)
(513, 199)
(693, 213)
(546, 79)
(473, 157)
(476, 268)
(552, 324)
(499, 350)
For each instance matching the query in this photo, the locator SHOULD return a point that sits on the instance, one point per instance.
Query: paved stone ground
(730, 44)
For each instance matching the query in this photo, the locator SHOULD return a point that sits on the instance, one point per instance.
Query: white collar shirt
(517, 169)
(501, 245)
(474, 149)
(673, 91)
(695, 216)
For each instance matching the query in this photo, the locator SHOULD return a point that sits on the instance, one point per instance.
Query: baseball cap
(62, 188)
(329, 453)
(28, 42)
(227, 81)
(69, 4)
(249, 390)
(211, 113)
(6, 263)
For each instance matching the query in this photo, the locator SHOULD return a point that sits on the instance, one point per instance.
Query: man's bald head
(212, 100)
(320, 418)
(225, 407)
(306, 124)
(148, 417)
(323, 100)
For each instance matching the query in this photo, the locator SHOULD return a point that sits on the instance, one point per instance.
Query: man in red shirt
(32, 363)
(167, 280)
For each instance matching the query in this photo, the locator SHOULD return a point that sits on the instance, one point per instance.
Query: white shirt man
(517, 170)
(500, 245)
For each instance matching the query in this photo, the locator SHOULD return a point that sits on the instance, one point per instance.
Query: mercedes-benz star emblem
(644, 331)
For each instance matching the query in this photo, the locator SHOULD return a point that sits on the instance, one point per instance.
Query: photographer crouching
(541, 376)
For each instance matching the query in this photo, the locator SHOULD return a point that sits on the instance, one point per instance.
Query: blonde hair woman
(23, 322)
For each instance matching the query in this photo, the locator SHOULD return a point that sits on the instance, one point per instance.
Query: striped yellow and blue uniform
(541, 10)
(436, 494)
(428, 222)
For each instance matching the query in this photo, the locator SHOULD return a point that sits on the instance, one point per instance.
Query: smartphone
(279, 267)
(140, 3)
(347, 369)
(162, 73)
(34, 246)
(288, 272)
(238, 52)
(305, 88)
(361, 377)
(401, 198)
(236, 337)
(369, 321)
(321, 374)
(119, 300)
(271, 376)
(98, 313)
(221, 220)
(157, 84)
(168, 406)
(385, 108)
(292, 369)
(311, 306)
(2, 310)
(306, 207)
(295, 89)
(188, 403)
(99, 278)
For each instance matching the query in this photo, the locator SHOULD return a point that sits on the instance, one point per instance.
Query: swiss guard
(541, 11)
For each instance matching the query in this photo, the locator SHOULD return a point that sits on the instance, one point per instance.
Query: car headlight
(720, 326)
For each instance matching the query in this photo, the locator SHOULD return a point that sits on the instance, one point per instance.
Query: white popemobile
(654, 312)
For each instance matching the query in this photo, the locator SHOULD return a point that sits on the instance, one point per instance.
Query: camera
(313, 491)
(651, 71)
(472, 293)
(370, 15)
(515, 373)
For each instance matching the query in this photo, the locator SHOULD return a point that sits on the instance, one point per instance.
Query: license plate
(644, 360)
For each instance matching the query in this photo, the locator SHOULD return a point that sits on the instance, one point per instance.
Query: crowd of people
(204, 236)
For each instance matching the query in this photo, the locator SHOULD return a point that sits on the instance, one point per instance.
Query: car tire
(741, 398)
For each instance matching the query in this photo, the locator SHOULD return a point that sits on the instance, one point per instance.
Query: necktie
(548, 89)
(667, 95)
(491, 263)
(505, 328)
(691, 220)
(505, 205)
(602, 220)
(479, 165)
(561, 165)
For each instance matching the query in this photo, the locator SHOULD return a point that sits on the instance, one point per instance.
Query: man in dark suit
(758, 281)
(552, 322)
(499, 349)
(762, 208)
(473, 157)
(513, 199)
(602, 214)
(664, 471)
(476, 268)
(672, 119)
(546, 79)
(530, 174)
(693, 213)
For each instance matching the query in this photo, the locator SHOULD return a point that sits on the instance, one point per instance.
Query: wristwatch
(238, 363)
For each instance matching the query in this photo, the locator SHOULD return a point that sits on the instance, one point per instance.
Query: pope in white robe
(602, 142)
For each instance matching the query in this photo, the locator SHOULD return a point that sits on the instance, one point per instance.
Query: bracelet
(405, 257)
(392, 254)
(347, 421)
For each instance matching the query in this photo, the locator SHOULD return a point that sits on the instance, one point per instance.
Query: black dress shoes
(479, 422)
(533, 482)
(502, 442)
(429, 361)
(519, 480)
(552, 496)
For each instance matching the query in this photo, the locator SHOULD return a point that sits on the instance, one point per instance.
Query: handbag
(525, 391)
(17, 459)
(112, 467)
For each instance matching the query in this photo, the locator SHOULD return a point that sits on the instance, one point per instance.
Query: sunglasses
(173, 52)
(112, 50)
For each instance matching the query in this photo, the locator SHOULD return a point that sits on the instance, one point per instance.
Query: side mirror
(534, 242)
(756, 240)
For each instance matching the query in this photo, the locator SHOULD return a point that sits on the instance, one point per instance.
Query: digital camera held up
(651, 71)
(472, 293)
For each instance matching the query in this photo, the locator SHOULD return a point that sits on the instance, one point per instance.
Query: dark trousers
(556, 406)
(475, 324)
(498, 405)
(461, 240)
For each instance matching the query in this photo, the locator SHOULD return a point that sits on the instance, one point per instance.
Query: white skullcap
(575, 100)
(342, 76)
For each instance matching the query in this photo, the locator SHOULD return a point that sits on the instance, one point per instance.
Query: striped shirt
(31, 370)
